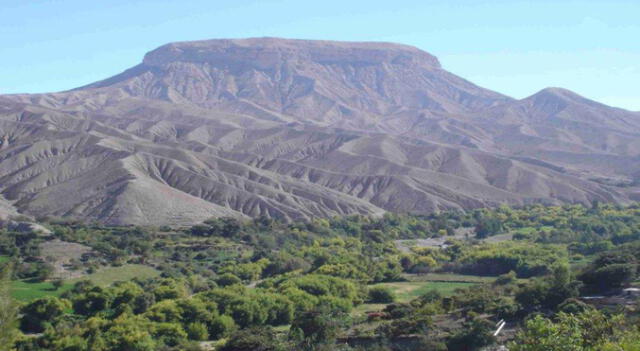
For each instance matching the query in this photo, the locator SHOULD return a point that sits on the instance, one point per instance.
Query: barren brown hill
(298, 129)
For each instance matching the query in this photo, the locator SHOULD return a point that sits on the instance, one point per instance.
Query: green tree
(590, 330)
(474, 335)
(197, 331)
(58, 283)
(487, 226)
(610, 276)
(8, 311)
(44, 272)
(254, 339)
(39, 313)
(221, 326)
(170, 334)
(228, 279)
(381, 294)
(541, 334)
(130, 333)
(550, 291)
(94, 300)
(315, 330)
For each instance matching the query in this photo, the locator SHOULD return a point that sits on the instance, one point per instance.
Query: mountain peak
(557, 91)
(300, 129)
(267, 51)
(558, 97)
(561, 96)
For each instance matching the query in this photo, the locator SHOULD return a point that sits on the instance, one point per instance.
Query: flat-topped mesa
(266, 53)
(301, 129)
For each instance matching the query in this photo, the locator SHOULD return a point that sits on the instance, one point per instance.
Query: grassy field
(3, 259)
(26, 291)
(448, 277)
(446, 284)
(407, 291)
(367, 307)
(108, 276)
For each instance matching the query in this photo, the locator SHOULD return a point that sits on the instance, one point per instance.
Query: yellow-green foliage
(526, 259)
(588, 331)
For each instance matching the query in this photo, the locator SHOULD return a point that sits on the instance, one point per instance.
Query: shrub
(228, 279)
(221, 326)
(474, 335)
(253, 339)
(57, 284)
(610, 276)
(39, 313)
(381, 294)
(197, 331)
(171, 334)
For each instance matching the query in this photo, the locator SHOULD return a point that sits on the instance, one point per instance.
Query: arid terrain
(297, 129)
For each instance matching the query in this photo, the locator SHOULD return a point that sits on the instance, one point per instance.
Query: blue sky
(514, 47)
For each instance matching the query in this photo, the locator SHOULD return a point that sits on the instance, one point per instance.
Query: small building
(631, 292)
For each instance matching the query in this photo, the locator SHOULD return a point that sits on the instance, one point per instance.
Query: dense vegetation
(330, 284)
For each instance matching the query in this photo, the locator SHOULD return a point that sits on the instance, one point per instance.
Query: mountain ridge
(298, 129)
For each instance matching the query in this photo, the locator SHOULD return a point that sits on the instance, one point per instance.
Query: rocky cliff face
(323, 82)
(298, 129)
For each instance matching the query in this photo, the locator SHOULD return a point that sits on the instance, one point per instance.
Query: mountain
(299, 129)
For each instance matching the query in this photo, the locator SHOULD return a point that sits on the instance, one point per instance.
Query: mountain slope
(298, 129)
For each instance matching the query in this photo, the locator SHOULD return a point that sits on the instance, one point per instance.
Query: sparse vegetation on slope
(236, 128)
